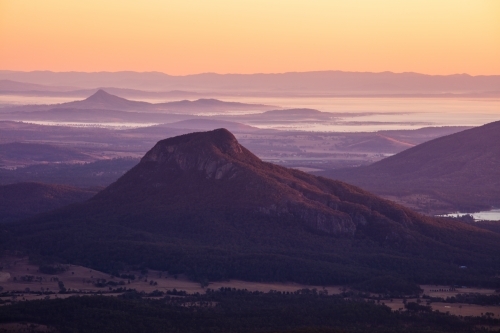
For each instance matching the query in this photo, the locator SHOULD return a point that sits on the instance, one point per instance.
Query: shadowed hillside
(22, 200)
(456, 172)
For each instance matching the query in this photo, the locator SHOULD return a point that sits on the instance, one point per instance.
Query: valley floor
(21, 281)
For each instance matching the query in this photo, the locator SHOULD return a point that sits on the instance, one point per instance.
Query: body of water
(375, 114)
(489, 215)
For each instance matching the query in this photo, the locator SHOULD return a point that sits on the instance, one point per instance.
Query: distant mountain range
(104, 107)
(102, 100)
(203, 205)
(455, 172)
(296, 83)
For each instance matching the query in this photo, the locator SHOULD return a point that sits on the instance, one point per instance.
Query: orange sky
(238, 36)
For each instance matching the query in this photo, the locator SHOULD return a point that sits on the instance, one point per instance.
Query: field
(77, 280)
(456, 309)
(17, 286)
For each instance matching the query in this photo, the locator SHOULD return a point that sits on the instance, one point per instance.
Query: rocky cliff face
(209, 158)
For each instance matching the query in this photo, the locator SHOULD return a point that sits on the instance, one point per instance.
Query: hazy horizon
(223, 36)
(246, 74)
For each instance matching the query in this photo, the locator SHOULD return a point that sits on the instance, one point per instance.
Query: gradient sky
(258, 36)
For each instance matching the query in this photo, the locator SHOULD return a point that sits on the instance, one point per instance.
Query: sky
(181, 37)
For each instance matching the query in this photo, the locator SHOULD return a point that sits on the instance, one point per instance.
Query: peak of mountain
(106, 101)
(101, 96)
(458, 171)
(199, 151)
(202, 204)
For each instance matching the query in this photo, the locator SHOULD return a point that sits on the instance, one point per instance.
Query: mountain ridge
(460, 169)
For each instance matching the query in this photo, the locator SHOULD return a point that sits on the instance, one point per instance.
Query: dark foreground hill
(22, 200)
(203, 205)
(456, 172)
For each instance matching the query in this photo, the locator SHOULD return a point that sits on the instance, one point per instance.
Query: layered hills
(204, 205)
(460, 171)
(101, 100)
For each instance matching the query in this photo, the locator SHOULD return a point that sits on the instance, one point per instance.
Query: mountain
(203, 205)
(22, 200)
(103, 100)
(460, 171)
(297, 83)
